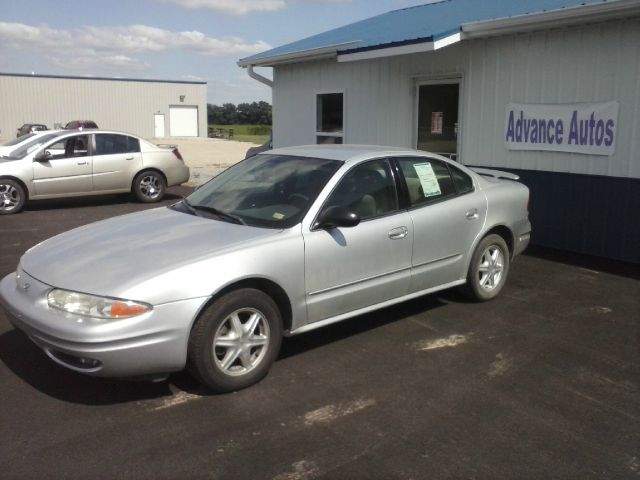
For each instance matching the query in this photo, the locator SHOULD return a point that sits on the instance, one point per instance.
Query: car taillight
(176, 152)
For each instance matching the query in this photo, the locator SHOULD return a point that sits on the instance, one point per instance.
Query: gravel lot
(207, 157)
(541, 383)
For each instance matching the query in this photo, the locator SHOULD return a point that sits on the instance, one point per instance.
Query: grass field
(245, 133)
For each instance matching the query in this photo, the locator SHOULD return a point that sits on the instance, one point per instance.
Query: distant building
(548, 89)
(148, 108)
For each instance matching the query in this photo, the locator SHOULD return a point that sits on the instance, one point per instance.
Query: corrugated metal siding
(124, 105)
(589, 214)
(590, 63)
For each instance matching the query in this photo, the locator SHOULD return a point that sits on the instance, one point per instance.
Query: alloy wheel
(241, 342)
(491, 267)
(150, 186)
(9, 197)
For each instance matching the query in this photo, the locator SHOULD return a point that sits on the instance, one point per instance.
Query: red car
(80, 125)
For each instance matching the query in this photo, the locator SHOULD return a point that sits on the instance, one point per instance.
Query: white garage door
(183, 121)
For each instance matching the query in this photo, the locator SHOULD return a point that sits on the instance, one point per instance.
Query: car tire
(235, 340)
(488, 269)
(149, 186)
(12, 196)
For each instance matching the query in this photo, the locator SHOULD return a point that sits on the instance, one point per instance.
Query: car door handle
(84, 162)
(129, 158)
(398, 233)
(472, 214)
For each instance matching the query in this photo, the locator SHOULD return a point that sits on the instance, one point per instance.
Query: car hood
(106, 257)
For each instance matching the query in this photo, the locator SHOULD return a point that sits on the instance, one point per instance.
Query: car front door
(64, 167)
(347, 269)
(116, 160)
(447, 215)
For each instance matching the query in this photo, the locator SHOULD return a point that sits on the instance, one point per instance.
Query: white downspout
(258, 77)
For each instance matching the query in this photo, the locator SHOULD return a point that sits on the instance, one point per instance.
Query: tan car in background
(78, 163)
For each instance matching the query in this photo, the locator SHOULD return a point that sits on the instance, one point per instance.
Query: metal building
(148, 108)
(472, 80)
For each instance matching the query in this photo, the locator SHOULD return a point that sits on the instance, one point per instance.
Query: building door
(158, 122)
(183, 121)
(437, 114)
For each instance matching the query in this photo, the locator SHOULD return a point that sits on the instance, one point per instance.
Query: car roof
(346, 153)
(75, 131)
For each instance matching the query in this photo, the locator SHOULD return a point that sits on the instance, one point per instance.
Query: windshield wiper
(219, 213)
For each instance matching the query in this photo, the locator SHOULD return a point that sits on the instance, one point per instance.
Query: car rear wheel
(149, 186)
(12, 196)
(488, 269)
(235, 341)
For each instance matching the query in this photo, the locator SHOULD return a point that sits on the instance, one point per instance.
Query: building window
(330, 118)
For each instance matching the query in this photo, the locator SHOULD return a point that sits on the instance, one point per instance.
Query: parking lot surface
(543, 382)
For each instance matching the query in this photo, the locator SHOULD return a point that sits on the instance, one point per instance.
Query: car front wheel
(236, 340)
(149, 186)
(12, 196)
(488, 269)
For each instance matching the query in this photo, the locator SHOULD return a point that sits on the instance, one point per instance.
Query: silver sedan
(280, 244)
(77, 163)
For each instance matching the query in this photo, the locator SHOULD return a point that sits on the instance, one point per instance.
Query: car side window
(368, 189)
(427, 180)
(461, 180)
(76, 146)
(111, 143)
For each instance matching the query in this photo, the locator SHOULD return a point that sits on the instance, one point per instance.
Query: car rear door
(64, 167)
(347, 269)
(116, 159)
(447, 214)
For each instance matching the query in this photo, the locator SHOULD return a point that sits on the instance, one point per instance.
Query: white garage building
(549, 89)
(148, 108)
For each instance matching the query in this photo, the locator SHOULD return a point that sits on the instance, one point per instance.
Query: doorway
(438, 109)
(158, 120)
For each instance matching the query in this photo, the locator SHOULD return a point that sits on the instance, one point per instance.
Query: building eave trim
(384, 52)
(552, 19)
(329, 51)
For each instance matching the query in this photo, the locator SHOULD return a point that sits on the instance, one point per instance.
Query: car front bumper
(153, 343)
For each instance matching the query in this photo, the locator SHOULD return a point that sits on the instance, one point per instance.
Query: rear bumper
(177, 175)
(522, 237)
(153, 343)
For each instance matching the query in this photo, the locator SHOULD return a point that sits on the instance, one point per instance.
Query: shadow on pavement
(357, 325)
(31, 365)
(605, 265)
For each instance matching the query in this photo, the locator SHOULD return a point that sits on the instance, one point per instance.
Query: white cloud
(116, 41)
(84, 63)
(243, 7)
(232, 7)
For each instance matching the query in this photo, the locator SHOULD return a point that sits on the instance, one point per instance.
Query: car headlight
(94, 306)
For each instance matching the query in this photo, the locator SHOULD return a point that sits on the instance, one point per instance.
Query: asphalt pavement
(541, 383)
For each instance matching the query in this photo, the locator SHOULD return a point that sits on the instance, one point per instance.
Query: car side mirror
(42, 156)
(336, 216)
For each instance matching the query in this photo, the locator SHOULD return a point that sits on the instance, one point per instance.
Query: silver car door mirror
(336, 216)
(42, 156)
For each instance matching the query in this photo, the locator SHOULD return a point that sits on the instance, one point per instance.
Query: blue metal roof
(423, 23)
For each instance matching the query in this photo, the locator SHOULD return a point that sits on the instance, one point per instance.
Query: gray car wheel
(235, 341)
(488, 269)
(149, 186)
(12, 196)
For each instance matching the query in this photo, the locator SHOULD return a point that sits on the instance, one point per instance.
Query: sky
(198, 40)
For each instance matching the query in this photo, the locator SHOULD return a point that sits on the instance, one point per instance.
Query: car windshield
(18, 140)
(35, 143)
(273, 191)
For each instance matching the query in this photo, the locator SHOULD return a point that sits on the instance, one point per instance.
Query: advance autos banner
(588, 128)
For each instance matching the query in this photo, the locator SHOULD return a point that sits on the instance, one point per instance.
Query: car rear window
(111, 143)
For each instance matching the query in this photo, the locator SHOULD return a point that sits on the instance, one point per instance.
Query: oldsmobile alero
(279, 244)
